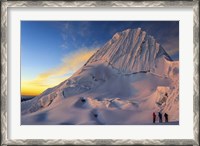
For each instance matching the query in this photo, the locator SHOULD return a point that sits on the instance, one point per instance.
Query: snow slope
(124, 82)
(130, 51)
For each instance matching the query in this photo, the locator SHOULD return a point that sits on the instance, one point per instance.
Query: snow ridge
(130, 51)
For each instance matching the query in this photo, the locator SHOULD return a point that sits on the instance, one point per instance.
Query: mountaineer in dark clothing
(154, 117)
(166, 117)
(160, 117)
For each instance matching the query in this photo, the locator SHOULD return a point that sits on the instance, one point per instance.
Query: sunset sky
(51, 51)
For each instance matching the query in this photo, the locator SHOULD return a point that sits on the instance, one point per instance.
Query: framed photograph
(100, 73)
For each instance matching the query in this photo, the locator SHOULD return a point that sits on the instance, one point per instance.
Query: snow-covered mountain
(130, 51)
(124, 82)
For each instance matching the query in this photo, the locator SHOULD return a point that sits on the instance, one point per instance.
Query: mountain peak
(131, 50)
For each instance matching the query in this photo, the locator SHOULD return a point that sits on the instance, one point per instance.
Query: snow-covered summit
(130, 51)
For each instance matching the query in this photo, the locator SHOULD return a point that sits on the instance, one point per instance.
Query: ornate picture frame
(6, 5)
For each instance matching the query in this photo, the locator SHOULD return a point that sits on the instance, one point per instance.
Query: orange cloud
(70, 64)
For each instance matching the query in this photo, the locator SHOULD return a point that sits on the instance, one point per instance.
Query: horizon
(53, 50)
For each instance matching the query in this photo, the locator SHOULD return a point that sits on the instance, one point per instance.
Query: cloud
(64, 45)
(70, 32)
(69, 64)
(84, 29)
(65, 30)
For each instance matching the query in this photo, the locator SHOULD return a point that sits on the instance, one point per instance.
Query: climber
(154, 117)
(166, 117)
(160, 117)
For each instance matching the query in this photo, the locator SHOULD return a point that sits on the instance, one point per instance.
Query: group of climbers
(160, 117)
